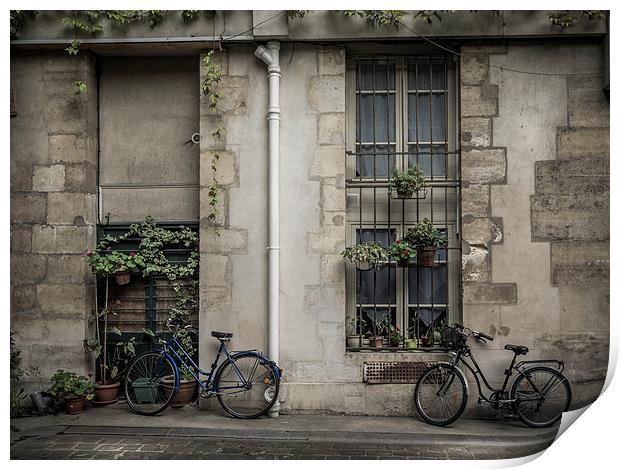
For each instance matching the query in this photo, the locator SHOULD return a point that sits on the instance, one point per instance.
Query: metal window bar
(396, 216)
(143, 303)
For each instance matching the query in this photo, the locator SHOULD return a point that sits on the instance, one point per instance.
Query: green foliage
(105, 262)
(69, 385)
(16, 359)
(212, 76)
(376, 18)
(428, 15)
(368, 252)
(408, 181)
(73, 48)
(401, 250)
(79, 87)
(156, 17)
(424, 234)
(78, 24)
(18, 18)
(296, 13)
(150, 257)
(561, 19)
(189, 15)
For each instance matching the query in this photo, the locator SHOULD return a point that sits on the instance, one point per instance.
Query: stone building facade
(532, 127)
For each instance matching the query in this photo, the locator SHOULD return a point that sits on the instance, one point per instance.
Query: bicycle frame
(175, 351)
(476, 371)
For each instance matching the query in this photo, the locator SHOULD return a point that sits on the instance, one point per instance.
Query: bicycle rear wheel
(541, 395)
(441, 394)
(246, 385)
(149, 383)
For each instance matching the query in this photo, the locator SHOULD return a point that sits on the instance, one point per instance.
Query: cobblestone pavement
(94, 446)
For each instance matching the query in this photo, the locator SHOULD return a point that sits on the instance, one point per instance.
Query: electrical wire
(222, 39)
(430, 41)
(499, 67)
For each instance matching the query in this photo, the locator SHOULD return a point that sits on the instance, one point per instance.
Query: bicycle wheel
(441, 394)
(149, 383)
(541, 395)
(246, 386)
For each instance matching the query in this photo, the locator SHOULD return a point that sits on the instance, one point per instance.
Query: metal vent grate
(394, 372)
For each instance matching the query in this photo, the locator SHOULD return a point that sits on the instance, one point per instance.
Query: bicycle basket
(451, 338)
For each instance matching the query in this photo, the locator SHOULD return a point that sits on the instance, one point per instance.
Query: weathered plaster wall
(536, 212)
(53, 209)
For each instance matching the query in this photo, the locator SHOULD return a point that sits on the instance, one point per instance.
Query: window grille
(402, 112)
(145, 302)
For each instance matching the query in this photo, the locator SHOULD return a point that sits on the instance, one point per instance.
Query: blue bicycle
(246, 383)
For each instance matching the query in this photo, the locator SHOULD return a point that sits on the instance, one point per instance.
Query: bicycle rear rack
(559, 364)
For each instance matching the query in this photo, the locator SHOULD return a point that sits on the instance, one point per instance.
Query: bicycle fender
(264, 359)
(177, 374)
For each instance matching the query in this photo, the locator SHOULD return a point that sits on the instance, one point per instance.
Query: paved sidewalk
(115, 433)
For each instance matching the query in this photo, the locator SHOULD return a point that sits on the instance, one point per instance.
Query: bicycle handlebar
(474, 333)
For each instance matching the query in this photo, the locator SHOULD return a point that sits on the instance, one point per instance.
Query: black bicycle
(538, 396)
(246, 384)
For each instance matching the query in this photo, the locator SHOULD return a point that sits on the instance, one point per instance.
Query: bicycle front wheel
(441, 394)
(246, 385)
(540, 395)
(149, 383)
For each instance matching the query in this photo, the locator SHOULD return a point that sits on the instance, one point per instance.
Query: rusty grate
(394, 372)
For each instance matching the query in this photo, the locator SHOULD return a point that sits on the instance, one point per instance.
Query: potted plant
(407, 182)
(426, 239)
(354, 340)
(366, 255)
(395, 337)
(187, 385)
(73, 389)
(106, 389)
(107, 262)
(401, 251)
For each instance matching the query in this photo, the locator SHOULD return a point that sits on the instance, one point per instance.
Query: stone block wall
(535, 204)
(53, 209)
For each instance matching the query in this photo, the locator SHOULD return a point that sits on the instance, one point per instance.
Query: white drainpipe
(271, 57)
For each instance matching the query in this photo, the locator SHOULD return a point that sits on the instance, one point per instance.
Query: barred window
(401, 111)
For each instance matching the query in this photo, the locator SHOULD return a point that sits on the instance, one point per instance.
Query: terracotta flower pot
(378, 341)
(426, 341)
(185, 393)
(426, 256)
(75, 405)
(105, 394)
(123, 278)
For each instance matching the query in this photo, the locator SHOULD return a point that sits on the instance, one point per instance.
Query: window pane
(379, 117)
(438, 79)
(376, 286)
(439, 114)
(420, 322)
(421, 80)
(373, 317)
(365, 76)
(424, 118)
(385, 74)
(428, 291)
(375, 157)
(421, 155)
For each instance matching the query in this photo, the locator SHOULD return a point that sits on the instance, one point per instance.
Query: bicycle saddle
(517, 349)
(221, 335)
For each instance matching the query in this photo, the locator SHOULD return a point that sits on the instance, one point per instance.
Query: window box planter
(122, 278)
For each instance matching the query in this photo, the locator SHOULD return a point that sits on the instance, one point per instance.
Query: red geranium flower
(406, 254)
(398, 242)
(132, 253)
(89, 253)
